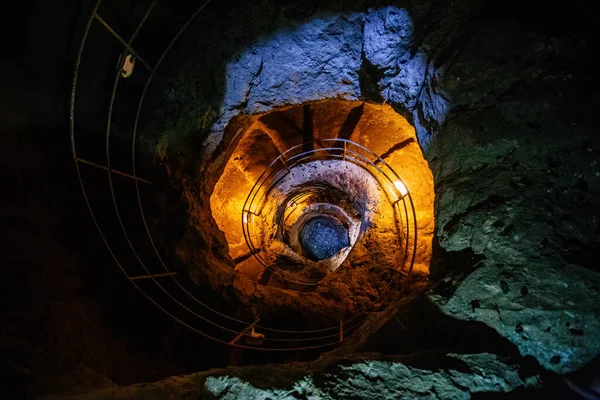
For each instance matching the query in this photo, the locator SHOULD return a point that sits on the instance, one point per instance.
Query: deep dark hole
(322, 238)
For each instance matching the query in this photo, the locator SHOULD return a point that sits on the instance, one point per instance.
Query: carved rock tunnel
(316, 209)
(358, 166)
(297, 165)
(267, 181)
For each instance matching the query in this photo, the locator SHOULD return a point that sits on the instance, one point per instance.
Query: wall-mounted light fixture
(401, 188)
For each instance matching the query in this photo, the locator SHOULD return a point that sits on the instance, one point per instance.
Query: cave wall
(517, 185)
(377, 127)
(497, 99)
(69, 319)
(506, 115)
(421, 376)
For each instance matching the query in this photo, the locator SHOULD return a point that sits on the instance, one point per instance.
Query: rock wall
(248, 154)
(495, 96)
(517, 186)
(417, 376)
(503, 99)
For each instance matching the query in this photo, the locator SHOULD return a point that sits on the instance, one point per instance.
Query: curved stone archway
(377, 127)
(250, 145)
(506, 235)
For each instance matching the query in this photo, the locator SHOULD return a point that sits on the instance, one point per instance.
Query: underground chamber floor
(321, 238)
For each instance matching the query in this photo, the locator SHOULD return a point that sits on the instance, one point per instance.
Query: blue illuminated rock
(322, 238)
(388, 39)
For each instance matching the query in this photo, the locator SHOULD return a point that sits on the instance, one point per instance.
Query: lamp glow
(401, 188)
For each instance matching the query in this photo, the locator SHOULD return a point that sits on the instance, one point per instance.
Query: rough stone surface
(321, 238)
(514, 158)
(310, 61)
(388, 41)
(521, 303)
(417, 376)
(514, 164)
(503, 96)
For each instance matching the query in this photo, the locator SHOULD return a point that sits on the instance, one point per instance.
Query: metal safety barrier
(108, 181)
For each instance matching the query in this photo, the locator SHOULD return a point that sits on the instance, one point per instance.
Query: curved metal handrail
(178, 296)
(378, 168)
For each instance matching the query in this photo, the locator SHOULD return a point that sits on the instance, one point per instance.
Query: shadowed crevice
(351, 121)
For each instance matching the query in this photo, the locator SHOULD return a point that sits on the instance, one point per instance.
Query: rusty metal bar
(284, 163)
(239, 336)
(127, 45)
(93, 164)
(135, 278)
(246, 256)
